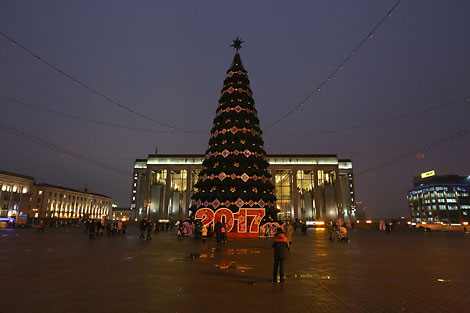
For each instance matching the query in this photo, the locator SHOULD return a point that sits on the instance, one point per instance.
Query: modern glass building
(307, 187)
(440, 200)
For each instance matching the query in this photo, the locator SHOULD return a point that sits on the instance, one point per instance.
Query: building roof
(16, 174)
(441, 180)
(74, 190)
(272, 158)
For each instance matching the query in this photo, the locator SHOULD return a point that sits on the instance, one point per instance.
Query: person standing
(41, 226)
(289, 230)
(204, 233)
(280, 246)
(217, 231)
(119, 227)
(223, 232)
(143, 228)
(149, 230)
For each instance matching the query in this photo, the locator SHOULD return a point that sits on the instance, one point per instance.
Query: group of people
(340, 231)
(96, 228)
(195, 228)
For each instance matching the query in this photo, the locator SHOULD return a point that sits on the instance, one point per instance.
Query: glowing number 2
(206, 215)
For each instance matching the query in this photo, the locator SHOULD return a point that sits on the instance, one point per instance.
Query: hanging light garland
(338, 68)
(56, 148)
(70, 116)
(388, 121)
(418, 153)
(15, 43)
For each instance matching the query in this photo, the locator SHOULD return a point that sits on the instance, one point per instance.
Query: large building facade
(15, 194)
(307, 187)
(440, 200)
(56, 202)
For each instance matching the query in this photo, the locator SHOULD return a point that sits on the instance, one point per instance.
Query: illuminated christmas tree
(234, 171)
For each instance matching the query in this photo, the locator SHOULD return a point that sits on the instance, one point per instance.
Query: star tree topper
(237, 44)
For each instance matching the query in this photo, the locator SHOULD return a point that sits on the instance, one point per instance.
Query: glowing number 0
(228, 218)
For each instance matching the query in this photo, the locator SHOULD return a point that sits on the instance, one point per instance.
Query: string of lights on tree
(87, 87)
(56, 148)
(70, 116)
(430, 109)
(339, 68)
(419, 152)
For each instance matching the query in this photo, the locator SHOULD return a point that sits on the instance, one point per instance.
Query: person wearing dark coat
(149, 230)
(217, 227)
(280, 246)
(143, 228)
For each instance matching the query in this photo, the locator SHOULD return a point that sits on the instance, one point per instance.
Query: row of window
(13, 188)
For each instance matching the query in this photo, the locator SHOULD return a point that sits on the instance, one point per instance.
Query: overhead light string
(337, 69)
(56, 148)
(430, 109)
(417, 152)
(75, 117)
(92, 90)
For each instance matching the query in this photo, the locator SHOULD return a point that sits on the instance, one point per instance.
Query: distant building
(49, 201)
(121, 213)
(15, 195)
(440, 199)
(307, 187)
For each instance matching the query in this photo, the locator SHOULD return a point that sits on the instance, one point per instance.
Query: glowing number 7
(258, 216)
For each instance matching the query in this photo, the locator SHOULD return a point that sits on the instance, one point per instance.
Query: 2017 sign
(240, 219)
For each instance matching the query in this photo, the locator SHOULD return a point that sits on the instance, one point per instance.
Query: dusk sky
(167, 60)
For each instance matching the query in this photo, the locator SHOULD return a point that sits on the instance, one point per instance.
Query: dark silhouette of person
(280, 246)
(143, 228)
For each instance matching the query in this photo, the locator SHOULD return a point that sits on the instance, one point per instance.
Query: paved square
(63, 270)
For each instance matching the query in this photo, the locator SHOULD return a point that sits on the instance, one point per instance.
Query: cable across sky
(417, 152)
(336, 70)
(382, 122)
(94, 91)
(56, 148)
(75, 117)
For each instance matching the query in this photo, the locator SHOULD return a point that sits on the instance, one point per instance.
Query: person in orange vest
(280, 246)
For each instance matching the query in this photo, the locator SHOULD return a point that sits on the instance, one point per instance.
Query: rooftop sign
(428, 174)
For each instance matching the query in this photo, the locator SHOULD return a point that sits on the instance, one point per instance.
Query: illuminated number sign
(245, 221)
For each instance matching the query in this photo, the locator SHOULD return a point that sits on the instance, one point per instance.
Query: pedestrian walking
(41, 226)
(280, 246)
(304, 228)
(289, 230)
(143, 228)
(149, 230)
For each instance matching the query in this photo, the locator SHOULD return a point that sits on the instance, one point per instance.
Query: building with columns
(15, 195)
(307, 187)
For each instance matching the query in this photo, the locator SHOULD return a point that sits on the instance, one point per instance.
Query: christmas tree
(234, 174)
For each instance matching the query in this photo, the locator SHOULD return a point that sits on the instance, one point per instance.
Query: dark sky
(167, 59)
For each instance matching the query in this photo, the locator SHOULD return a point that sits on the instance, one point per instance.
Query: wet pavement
(63, 270)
